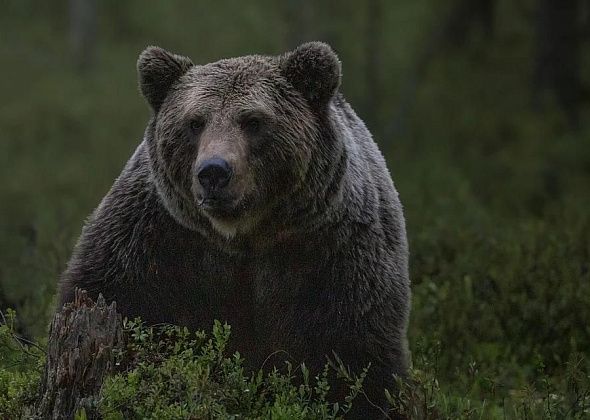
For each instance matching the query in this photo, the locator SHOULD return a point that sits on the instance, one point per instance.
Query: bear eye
(197, 124)
(251, 124)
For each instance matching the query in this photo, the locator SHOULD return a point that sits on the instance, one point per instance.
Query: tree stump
(80, 355)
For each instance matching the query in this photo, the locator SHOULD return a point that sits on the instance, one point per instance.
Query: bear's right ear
(157, 70)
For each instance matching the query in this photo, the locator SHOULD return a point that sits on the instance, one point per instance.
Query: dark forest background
(481, 108)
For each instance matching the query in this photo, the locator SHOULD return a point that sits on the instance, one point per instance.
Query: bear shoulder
(117, 231)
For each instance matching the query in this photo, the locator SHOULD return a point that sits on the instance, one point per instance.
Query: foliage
(477, 393)
(171, 373)
(167, 372)
(21, 365)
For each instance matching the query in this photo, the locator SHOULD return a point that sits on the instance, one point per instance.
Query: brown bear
(256, 197)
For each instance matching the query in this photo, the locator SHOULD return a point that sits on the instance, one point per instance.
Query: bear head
(235, 141)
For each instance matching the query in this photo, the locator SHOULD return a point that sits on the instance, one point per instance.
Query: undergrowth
(21, 364)
(170, 373)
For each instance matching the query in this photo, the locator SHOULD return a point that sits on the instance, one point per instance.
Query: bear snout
(214, 175)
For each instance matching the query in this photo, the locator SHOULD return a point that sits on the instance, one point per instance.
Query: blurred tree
(557, 56)
(467, 15)
(83, 27)
(461, 19)
(373, 62)
(299, 15)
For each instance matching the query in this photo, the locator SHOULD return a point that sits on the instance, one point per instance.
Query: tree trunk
(373, 63)
(557, 56)
(83, 32)
(449, 33)
(466, 16)
(298, 15)
(80, 355)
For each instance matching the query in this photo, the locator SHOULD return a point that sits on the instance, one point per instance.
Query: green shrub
(171, 373)
(476, 393)
(21, 365)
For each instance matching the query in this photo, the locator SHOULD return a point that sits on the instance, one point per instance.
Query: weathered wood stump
(80, 355)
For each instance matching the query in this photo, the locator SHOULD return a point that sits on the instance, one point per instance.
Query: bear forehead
(234, 73)
(236, 81)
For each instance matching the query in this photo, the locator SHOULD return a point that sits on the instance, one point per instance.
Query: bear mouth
(218, 207)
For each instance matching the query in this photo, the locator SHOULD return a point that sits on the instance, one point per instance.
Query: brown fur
(307, 253)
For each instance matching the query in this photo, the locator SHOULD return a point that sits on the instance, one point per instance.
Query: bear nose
(214, 174)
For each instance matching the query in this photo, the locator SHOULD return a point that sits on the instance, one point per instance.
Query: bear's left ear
(314, 70)
(158, 70)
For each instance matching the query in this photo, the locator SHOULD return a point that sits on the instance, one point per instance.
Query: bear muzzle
(214, 175)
